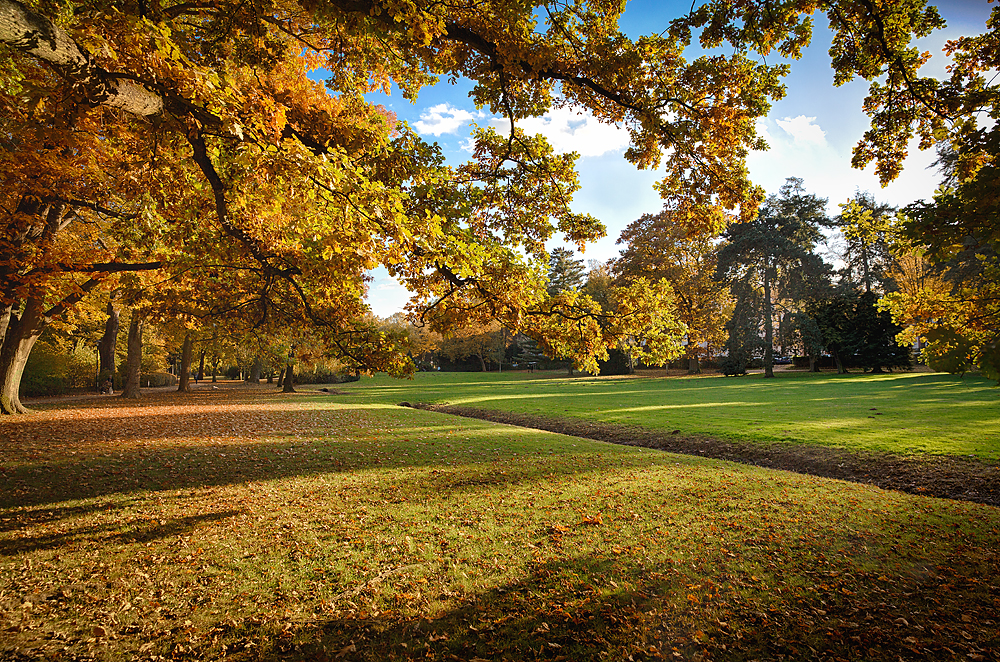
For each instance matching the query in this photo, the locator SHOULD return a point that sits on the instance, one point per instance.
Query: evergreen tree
(833, 315)
(872, 339)
(527, 352)
(773, 255)
(565, 273)
(743, 328)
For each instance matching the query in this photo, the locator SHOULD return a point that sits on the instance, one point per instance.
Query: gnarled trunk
(22, 331)
(185, 377)
(133, 364)
(287, 385)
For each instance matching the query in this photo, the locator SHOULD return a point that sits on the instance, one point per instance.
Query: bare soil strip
(949, 477)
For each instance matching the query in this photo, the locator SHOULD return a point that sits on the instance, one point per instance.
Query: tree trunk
(21, 333)
(840, 364)
(109, 342)
(133, 364)
(5, 314)
(185, 377)
(270, 376)
(482, 363)
(768, 325)
(813, 365)
(281, 377)
(201, 367)
(693, 367)
(255, 371)
(287, 386)
(569, 369)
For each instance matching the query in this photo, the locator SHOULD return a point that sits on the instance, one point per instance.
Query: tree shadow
(200, 444)
(139, 533)
(558, 613)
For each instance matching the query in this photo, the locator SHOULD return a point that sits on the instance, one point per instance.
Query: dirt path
(950, 477)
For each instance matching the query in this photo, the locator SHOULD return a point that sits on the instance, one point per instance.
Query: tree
(565, 272)
(185, 125)
(954, 323)
(832, 315)
(484, 342)
(133, 369)
(109, 343)
(526, 352)
(142, 136)
(660, 246)
(773, 255)
(868, 231)
(743, 332)
(872, 339)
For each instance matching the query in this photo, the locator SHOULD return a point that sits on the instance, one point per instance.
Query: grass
(904, 413)
(257, 526)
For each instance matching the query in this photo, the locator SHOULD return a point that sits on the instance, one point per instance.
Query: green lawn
(899, 413)
(261, 526)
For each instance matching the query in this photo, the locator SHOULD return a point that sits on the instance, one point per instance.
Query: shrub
(155, 379)
(732, 366)
(50, 371)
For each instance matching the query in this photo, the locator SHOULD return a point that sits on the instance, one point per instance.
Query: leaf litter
(250, 525)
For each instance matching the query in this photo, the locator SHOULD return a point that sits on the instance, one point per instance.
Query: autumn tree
(200, 127)
(151, 136)
(483, 342)
(422, 344)
(868, 230)
(953, 323)
(660, 246)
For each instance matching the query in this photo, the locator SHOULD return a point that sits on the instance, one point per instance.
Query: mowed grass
(903, 413)
(253, 525)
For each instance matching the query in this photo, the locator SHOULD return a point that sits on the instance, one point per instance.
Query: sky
(810, 132)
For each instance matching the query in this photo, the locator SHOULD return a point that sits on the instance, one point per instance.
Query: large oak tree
(151, 135)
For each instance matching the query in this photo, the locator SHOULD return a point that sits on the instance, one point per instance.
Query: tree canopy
(189, 139)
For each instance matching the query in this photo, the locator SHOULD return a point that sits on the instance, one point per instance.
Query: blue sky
(811, 133)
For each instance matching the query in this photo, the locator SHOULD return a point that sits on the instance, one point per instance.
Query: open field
(250, 525)
(898, 413)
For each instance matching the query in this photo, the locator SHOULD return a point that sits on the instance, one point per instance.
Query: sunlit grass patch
(898, 413)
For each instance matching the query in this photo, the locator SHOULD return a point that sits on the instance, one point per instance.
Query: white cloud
(761, 126)
(386, 295)
(826, 170)
(443, 118)
(467, 145)
(572, 130)
(803, 130)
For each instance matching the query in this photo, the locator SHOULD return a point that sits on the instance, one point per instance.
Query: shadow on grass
(141, 532)
(156, 453)
(558, 613)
